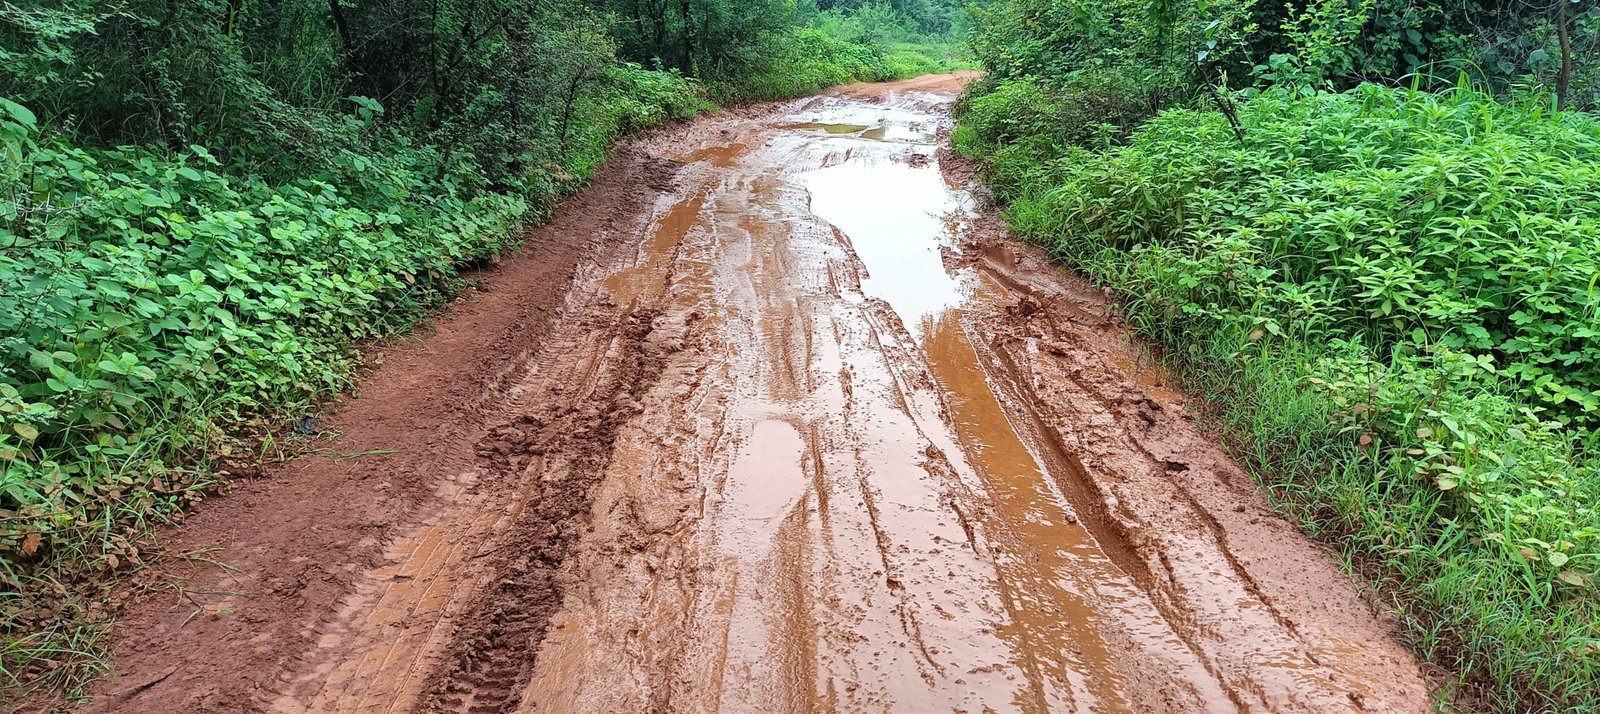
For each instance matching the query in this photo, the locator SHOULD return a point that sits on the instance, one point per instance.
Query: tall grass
(1391, 296)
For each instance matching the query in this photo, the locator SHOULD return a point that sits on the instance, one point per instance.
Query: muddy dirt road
(767, 421)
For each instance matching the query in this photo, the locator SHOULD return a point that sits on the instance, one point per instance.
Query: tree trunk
(571, 100)
(343, 27)
(1564, 34)
(658, 22)
(687, 65)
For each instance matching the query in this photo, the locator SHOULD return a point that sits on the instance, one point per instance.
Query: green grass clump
(1026, 121)
(1392, 297)
(913, 59)
(869, 43)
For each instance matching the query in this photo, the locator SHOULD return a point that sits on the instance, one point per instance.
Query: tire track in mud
(538, 470)
(825, 440)
(1174, 488)
(560, 457)
(532, 486)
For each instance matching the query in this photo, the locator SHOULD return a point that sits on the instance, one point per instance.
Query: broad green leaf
(19, 113)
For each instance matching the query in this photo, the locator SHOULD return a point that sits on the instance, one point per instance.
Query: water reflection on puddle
(894, 216)
(830, 128)
(899, 132)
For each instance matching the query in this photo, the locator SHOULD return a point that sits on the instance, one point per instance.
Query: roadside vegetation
(1367, 233)
(207, 206)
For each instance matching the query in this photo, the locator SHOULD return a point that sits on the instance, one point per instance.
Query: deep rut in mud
(811, 434)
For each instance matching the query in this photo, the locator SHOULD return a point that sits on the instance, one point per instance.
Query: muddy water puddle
(894, 216)
(869, 531)
(888, 125)
(827, 128)
(845, 500)
(1073, 619)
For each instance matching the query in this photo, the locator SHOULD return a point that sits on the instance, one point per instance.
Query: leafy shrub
(1394, 293)
(811, 59)
(155, 304)
(1402, 218)
(1021, 122)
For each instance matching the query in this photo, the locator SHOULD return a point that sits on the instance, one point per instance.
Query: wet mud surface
(772, 419)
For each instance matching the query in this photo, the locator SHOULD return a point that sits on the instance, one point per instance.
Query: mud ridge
(1115, 532)
(1118, 532)
(566, 454)
(1050, 345)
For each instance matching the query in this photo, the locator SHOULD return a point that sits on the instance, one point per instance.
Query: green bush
(808, 61)
(1402, 218)
(147, 292)
(155, 305)
(872, 42)
(1394, 294)
(1020, 123)
(811, 59)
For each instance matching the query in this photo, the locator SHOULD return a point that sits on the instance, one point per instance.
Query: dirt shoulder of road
(1165, 476)
(229, 601)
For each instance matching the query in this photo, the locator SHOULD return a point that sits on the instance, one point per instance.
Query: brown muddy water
(824, 439)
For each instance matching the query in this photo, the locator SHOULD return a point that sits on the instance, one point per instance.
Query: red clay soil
(295, 541)
(770, 419)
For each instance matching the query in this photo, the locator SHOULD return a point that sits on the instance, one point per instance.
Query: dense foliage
(1339, 43)
(752, 49)
(1389, 292)
(209, 203)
